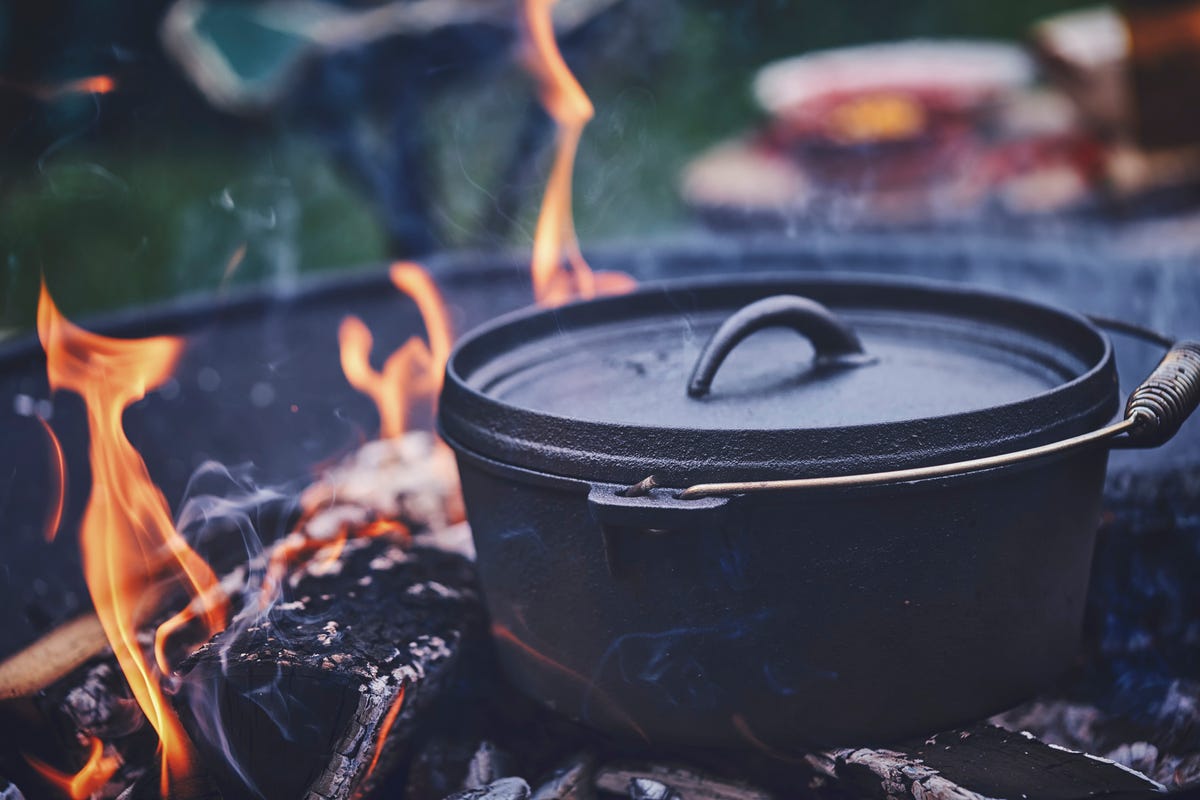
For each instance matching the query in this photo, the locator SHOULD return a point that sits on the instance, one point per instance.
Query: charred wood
(503, 789)
(571, 781)
(318, 698)
(489, 764)
(976, 763)
(638, 781)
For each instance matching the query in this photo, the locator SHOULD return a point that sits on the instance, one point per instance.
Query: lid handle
(836, 344)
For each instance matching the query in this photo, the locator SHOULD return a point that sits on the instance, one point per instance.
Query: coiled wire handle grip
(1165, 399)
(835, 343)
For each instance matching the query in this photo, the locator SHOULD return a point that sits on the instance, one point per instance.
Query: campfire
(351, 637)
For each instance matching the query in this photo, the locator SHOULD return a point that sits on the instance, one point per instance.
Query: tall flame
(127, 528)
(412, 372)
(555, 238)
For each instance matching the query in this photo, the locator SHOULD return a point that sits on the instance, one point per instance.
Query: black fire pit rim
(640, 255)
(186, 314)
(625, 453)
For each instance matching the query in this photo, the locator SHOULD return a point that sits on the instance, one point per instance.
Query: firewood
(503, 789)
(313, 697)
(571, 781)
(976, 763)
(52, 657)
(684, 782)
(489, 764)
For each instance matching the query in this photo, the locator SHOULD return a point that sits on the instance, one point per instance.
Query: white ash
(329, 633)
(411, 478)
(454, 539)
(419, 589)
(388, 559)
(1102, 760)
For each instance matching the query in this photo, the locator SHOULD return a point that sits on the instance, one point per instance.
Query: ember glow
(58, 479)
(389, 721)
(89, 780)
(127, 527)
(90, 85)
(414, 371)
(555, 240)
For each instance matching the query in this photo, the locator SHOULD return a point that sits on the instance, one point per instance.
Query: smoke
(233, 521)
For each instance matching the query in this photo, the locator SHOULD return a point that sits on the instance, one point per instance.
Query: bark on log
(320, 697)
(978, 763)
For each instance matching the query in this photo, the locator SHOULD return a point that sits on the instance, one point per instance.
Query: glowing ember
(555, 237)
(58, 481)
(414, 372)
(389, 722)
(127, 526)
(96, 84)
(89, 780)
(91, 85)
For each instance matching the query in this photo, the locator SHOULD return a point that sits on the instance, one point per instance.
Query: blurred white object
(970, 70)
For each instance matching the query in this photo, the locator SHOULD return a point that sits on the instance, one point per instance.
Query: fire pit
(260, 381)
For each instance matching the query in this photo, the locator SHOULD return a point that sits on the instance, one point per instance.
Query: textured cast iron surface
(908, 409)
(851, 617)
(288, 342)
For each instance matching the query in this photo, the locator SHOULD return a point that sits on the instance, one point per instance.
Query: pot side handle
(1166, 398)
(835, 343)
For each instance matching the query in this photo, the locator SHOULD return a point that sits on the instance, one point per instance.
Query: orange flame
(389, 722)
(93, 85)
(127, 525)
(416, 369)
(89, 780)
(96, 84)
(555, 237)
(59, 477)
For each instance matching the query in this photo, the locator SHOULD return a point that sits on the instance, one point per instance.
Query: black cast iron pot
(882, 527)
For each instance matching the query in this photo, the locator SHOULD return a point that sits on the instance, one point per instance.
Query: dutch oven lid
(774, 376)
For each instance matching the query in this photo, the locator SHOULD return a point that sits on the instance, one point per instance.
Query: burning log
(344, 662)
(52, 657)
(317, 694)
(315, 698)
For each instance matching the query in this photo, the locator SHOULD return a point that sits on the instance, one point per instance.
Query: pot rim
(622, 453)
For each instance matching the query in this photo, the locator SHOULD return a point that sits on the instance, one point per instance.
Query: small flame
(89, 780)
(96, 84)
(389, 721)
(127, 525)
(412, 372)
(91, 85)
(59, 481)
(555, 237)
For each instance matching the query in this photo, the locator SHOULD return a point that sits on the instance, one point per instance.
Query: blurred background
(154, 148)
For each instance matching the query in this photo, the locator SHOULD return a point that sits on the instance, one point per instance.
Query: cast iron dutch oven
(879, 528)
